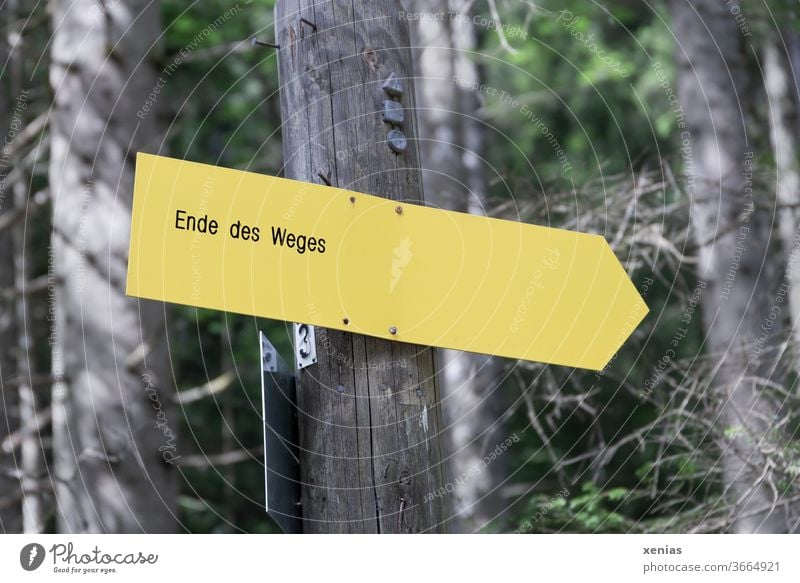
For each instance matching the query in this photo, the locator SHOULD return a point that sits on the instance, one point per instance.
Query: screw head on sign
(398, 209)
(393, 330)
(346, 321)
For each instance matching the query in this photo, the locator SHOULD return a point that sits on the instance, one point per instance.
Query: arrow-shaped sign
(229, 240)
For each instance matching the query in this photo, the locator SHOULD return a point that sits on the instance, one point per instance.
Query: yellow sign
(242, 242)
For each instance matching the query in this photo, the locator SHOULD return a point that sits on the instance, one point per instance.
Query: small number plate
(305, 346)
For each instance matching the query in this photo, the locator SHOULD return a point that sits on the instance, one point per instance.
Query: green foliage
(589, 510)
(585, 71)
(597, 80)
(222, 104)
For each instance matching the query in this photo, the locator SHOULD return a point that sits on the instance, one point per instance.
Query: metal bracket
(305, 345)
(269, 356)
(281, 456)
(392, 112)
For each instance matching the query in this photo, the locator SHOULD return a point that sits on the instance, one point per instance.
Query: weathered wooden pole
(369, 411)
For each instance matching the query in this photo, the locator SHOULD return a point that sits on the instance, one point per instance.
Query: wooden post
(369, 412)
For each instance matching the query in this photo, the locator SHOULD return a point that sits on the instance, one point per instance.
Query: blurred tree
(31, 461)
(782, 92)
(452, 144)
(112, 417)
(733, 239)
(10, 487)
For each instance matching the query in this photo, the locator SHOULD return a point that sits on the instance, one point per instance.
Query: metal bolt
(346, 321)
(419, 392)
(340, 388)
(398, 209)
(353, 199)
(392, 86)
(392, 112)
(397, 141)
(393, 330)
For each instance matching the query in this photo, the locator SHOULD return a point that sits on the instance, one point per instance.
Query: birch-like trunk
(451, 147)
(113, 428)
(10, 488)
(31, 455)
(782, 92)
(734, 254)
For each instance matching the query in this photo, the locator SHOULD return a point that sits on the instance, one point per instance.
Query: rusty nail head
(398, 209)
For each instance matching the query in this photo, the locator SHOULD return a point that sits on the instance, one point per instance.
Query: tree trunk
(10, 487)
(733, 246)
(31, 456)
(451, 147)
(782, 93)
(369, 409)
(114, 431)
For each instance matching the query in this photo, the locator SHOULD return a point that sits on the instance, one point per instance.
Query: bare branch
(212, 387)
(14, 440)
(220, 459)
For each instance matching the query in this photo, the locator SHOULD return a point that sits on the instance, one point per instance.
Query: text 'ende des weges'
(282, 237)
